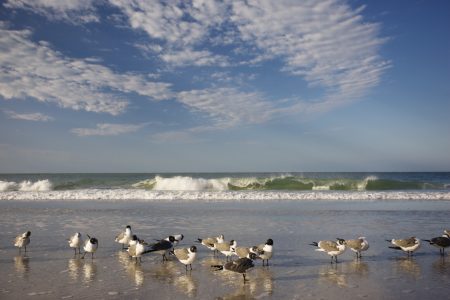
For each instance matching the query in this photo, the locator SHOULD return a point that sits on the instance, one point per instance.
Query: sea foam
(142, 195)
(26, 186)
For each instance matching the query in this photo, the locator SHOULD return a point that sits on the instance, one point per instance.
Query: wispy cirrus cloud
(228, 107)
(37, 117)
(35, 70)
(107, 129)
(76, 12)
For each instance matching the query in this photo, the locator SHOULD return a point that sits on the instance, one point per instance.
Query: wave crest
(26, 186)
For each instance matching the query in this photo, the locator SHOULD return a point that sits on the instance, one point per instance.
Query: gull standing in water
(162, 247)
(75, 241)
(239, 266)
(210, 241)
(136, 250)
(124, 237)
(408, 245)
(358, 245)
(22, 240)
(186, 255)
(331, 248)
(90, 245)
(441, 242)
(265, 251)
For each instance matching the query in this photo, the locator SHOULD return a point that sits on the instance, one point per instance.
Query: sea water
(226, 186)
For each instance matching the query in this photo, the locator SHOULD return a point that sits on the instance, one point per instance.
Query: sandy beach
(49, 269)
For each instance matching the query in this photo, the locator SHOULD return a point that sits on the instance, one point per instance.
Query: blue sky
(223, 86)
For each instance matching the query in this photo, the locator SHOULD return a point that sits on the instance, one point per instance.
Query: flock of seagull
(246, 255)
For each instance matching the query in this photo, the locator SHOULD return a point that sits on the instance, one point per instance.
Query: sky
(224, 86)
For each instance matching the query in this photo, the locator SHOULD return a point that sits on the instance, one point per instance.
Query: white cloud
(189, 57)
(327, 43)
(106, 129)
(35, 70)
(77, 12)
(228, 107)
(28, 117)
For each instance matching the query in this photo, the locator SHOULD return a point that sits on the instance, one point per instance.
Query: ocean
(339, 186)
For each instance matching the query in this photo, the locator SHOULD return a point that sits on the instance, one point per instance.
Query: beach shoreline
(49, 269)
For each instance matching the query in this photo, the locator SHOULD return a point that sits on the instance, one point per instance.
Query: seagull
(332, 248)
(124, 237)
(177, 238)
(90, 245)
(22, 240)
(186, 255)
(210, 241)
(358, 245)
(240, 265)
(441, 242)
(226, 248)
(133, 241)
(242, 252)
(75, 241)
(408, 245)
(136, 250)
(265, 251)
(162, 247)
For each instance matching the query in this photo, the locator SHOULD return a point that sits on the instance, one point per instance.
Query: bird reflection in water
(358, 267)
(442, 265)
(407, 265)
(241, 293)
(133, 270)
(165, 272)
(74, 266)
(261, 282)
(187, 285)
(90, 271)
(22, 265)
(331, 273)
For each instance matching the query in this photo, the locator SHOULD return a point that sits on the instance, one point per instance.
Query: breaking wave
(26, 186)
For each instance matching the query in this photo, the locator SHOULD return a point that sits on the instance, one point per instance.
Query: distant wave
(26, 186)
(287, 182)
(132, 195)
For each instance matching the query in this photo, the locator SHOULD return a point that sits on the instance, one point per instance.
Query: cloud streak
(35, 70)
(107, 129)
(36, 117)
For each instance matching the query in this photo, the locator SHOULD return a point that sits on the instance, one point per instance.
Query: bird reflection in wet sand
(187, 285)
(407, 265)
(241, 293)
(442, 265)
(262, 284)
(334, 275)
(358, 267)
(136, 273)
(89, 270)
(74, 266)
(165, 272)
(133, 270)
(22, 265)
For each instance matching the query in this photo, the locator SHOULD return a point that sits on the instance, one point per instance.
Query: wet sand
(49, 269)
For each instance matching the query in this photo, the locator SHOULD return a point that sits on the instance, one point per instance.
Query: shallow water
(49, 269)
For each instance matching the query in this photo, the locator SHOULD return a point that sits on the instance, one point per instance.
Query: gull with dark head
(90, 246)
(186, 256)
(265, 251)
(162, 247)
(441, 242)
(137, 249)
(75, 242)
(22, 240)
(331, 248)
(408, 245)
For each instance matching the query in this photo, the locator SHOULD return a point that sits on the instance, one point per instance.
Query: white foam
(141, 195)
(26, 186)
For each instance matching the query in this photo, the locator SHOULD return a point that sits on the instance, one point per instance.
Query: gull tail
(199, 240)
(314, 244)
(395, 247)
